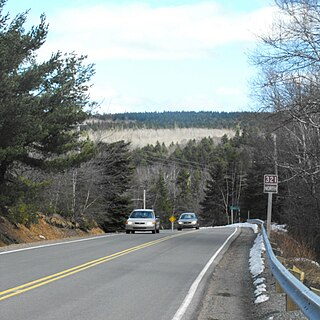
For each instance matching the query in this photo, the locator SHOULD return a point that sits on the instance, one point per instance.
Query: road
(118, 276)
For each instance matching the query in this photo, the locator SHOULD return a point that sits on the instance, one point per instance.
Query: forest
(175, 119)
(48, 164)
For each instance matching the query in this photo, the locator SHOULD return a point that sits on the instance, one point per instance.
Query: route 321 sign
(270, 184)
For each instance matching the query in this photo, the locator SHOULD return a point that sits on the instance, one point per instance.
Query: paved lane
(138, 276)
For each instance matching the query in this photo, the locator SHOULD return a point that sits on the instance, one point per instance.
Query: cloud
(139, 31)
(228, 91)
(120, 103)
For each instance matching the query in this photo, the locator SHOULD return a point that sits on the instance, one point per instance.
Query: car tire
(132, 231)
(179, 229)
(158, 231)
(197, 228)
(127, 231)
(154, 231)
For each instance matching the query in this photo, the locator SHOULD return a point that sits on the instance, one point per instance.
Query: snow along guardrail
(302, 296)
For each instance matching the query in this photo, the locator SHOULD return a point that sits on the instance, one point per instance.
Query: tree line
(174, 119)
(48, 165)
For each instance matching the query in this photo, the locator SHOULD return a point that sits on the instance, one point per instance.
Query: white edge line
(187, 300)
(58, 243)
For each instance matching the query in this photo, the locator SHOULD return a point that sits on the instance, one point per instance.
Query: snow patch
(256, 267)
(307, 260)
(262, 298)
(260, 289)
(256, 261)
(253, 226)
(279, 227)
(258, 281)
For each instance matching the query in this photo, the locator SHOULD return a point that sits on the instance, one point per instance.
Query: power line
(177, 161)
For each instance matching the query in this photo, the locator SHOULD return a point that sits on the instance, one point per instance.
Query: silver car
(143, 220)
(188, 220)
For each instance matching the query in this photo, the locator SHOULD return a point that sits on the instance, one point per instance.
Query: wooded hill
(176, 119)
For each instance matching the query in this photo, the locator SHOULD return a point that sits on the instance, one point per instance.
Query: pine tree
(215, 203)
(184, 198)
(116, 170)
(162, 204)
(41, 104)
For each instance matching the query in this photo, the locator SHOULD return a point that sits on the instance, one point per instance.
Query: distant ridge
(177, 119)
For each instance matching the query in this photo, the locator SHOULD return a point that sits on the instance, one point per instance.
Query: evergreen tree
(116, 170)
(40, 103)
(162, 204)
(227, 178)
(184, 198)
(215, 203)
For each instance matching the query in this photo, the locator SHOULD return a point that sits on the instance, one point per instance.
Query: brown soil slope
(46, 229)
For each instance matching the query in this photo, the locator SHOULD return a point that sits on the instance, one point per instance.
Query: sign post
(270, 186)
(172, 220)
(232, 208)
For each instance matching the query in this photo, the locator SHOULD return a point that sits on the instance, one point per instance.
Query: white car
(143, 220)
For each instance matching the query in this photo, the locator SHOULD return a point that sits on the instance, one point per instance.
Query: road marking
(58, 243)
(187, 300)
(68, 272)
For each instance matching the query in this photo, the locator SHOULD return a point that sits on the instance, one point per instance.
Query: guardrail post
(290, 305)
(302, 274)
(278, 288)
(283, 262)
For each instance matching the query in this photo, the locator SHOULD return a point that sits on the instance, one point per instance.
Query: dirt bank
(47, 228)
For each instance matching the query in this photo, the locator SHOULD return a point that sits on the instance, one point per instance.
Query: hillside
(142, 137)
(141, 129)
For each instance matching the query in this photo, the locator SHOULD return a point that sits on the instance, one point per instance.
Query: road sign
(270, 179)
(270, 183)
(172, 219)
(273, 189)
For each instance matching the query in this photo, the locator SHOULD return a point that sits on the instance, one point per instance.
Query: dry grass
(300, 255)
(143, 137)
(290, 247)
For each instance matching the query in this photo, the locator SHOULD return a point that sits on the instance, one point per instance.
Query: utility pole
(269, 213)
(275, 159)
(144, 199)
(231, 215)
(75, 179)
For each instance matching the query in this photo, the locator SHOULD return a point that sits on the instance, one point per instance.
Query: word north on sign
(270, 183)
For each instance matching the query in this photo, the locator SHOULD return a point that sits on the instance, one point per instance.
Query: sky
(177, 55)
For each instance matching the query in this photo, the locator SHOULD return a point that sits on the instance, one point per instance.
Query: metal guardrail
(307, 301)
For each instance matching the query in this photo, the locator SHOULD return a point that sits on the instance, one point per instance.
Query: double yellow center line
(68, 272)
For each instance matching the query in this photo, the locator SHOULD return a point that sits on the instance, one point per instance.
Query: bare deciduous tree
(289, 61)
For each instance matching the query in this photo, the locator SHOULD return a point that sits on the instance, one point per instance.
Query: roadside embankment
(230, 292)
(47, 228)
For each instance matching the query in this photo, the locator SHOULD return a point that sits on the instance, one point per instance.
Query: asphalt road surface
(118, 276)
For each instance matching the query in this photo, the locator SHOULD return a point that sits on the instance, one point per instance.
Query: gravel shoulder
(230, 290)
